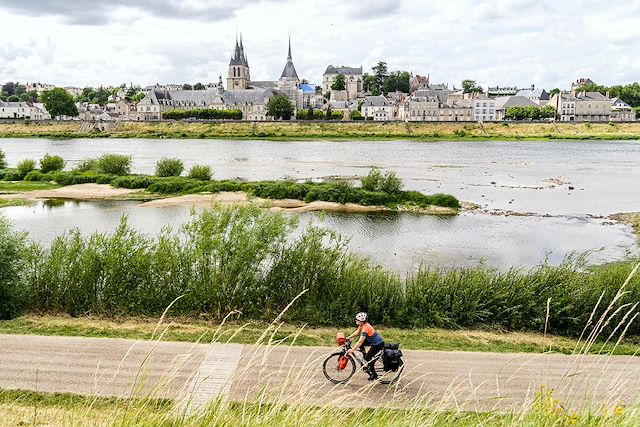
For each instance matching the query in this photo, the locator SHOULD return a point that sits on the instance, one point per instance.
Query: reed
(247, 259)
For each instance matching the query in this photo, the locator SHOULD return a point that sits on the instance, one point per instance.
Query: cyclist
(368, 336)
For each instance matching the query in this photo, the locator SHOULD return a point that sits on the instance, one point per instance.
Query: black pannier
(391, 357)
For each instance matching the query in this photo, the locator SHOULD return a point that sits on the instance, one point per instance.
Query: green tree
(397, 81)
(339, 83)
(187, 86)
(380, 73)
(9, 88)
(310, 113)
(3, 160)
(279, 107)
(470, 86)
(13, 256)
(13, 98)
(51, 163)
(58, 102)
(368, 82)
(548, 112)
(554, 91)
(198, 86)
(169, 167)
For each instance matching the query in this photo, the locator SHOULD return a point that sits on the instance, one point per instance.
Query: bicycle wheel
(391, 376)
(333, 372)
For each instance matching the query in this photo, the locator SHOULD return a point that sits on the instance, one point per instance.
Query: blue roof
(307, 88)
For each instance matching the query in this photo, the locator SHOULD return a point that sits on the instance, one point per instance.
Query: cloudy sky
(505, 42)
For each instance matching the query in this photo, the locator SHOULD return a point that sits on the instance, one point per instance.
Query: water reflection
(399, 241)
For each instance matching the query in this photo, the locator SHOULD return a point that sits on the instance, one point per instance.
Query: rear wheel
(332, 371)
(391, 376)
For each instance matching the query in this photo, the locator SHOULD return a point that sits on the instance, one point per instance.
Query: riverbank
(331, 130)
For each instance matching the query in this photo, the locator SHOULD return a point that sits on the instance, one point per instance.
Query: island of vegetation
(377, 191)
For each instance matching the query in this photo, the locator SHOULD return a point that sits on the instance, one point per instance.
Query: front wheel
(334, 372)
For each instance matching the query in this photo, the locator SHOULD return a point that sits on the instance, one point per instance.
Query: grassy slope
(8, 187)
(184, 330)
(337, 130)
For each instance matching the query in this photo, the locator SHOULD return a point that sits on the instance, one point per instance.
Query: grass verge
(333, 130)
(8, 187)
(413, 339)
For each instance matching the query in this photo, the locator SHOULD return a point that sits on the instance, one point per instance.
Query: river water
(565, 188)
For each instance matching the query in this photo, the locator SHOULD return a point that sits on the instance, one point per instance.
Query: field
(333, 130)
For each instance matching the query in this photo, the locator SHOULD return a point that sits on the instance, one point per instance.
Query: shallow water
(521, 176)
(397, 241)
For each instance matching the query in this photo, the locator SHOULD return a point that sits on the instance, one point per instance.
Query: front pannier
(391, 358)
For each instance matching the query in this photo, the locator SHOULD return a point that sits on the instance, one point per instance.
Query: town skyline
(490, 42)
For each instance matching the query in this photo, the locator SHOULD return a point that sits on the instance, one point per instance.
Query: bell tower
(238, 77)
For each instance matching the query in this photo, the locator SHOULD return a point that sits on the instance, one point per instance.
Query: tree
(58, 102)
(310, 113)
(339, 83)
(31, 96)
(13, 98)
(554, 91)
(368, 82)
(187, 86)
(9, 88)
(470, 86)
(198, 86)
(548, 112)
(279, 107)
(380, 73)
(397, 81)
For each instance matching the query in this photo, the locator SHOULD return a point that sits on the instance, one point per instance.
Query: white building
(377, 108)
(621, 111)
(539, 96)
(565, 105)
(484, 109)
(23, 110)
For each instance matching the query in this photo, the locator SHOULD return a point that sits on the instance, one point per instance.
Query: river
(540, 200)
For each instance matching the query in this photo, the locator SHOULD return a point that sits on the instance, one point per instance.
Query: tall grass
(253, 261)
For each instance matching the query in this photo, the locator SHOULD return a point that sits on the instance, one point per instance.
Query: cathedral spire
(289, 71)
(289, 56)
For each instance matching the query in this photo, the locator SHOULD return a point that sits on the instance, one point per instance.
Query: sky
(549, 43)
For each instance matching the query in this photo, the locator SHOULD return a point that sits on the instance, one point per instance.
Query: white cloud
(506, 42)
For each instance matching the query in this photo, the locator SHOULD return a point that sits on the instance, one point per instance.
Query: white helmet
(362, 316)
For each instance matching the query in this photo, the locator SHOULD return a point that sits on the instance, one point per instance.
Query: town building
(621, 111)
(592, 107)
(424, 105)
(353, 82)
(23, 110)
(484, 108)
(503, 103)
(539, 96)
(378, 108)
(565, 105)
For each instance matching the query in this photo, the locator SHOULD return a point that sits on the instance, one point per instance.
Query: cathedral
(249, 96)
(239, 76)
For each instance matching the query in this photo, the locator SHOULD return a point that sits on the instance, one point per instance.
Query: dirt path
(466, 380)
(76, 192)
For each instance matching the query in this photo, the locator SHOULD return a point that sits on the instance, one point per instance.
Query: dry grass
(182, 329)
(337, 130)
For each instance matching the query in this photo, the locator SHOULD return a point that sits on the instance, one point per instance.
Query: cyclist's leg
(373, 350)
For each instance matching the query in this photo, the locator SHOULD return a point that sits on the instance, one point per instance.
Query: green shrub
(372, 181)
(3, 160)
(132, 181)
(25, 166)
(13, 262)
(173, 185)
(87, 165)
(34, 176)
(169, 167)
(376, 181)
(200, 172)
(51, 163)
(114, 164)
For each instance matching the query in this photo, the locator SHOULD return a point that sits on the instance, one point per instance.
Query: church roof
(238, 57)
(289, 71)
(343, 70)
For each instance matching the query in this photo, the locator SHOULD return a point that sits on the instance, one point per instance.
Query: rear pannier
(391, 357)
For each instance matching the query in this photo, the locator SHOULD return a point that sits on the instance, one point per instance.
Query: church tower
(289, 74)
(239, 77)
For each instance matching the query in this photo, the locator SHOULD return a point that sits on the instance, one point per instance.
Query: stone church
(250, 97)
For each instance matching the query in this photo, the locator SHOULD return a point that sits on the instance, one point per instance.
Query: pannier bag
(391, 357)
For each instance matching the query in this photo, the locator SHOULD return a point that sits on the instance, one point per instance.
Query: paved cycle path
(194, 373)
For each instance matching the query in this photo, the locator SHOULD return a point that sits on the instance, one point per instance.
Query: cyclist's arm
(359, 343)
(355, 333)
